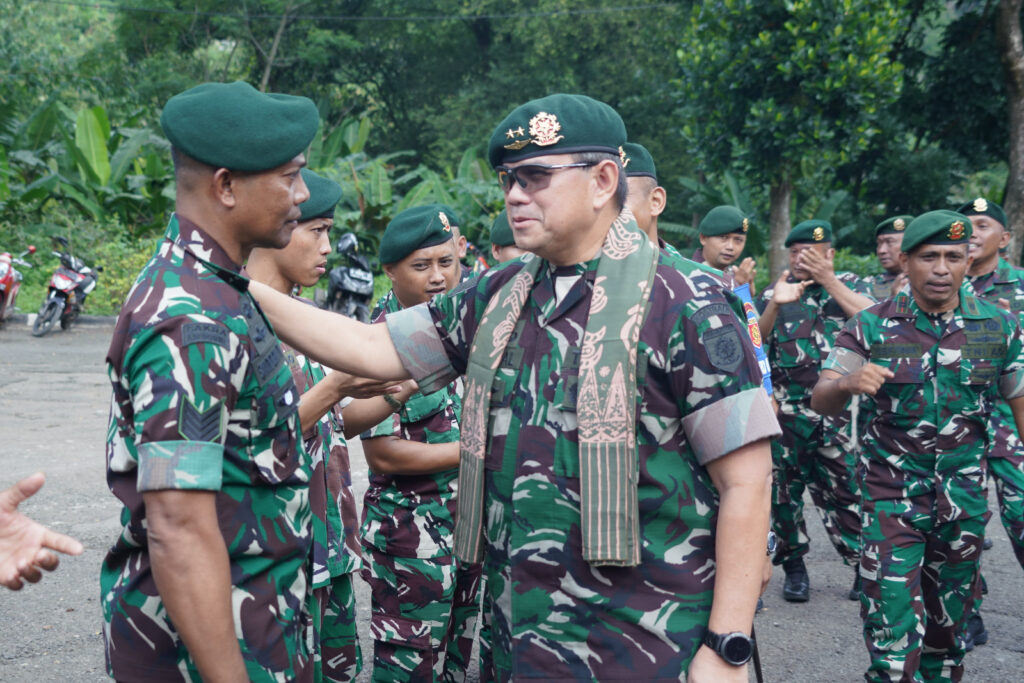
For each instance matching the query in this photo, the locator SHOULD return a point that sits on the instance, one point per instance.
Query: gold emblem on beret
(818, 234)
(746, 225)
(512, 134)
(544, 129)
(623, 158)
(956, 230)
(980, 204)
(898, 224)
(444, 221)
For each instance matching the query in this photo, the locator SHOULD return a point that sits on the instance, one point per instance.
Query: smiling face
(935, 273)
(988, 236)
(424, 273)
(267, 204)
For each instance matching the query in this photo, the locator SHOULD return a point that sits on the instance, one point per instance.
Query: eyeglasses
(533, 176)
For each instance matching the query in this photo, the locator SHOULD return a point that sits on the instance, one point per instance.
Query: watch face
(773, 542)
(736, 649)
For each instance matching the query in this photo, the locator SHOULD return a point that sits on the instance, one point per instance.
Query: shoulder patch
(724, 347)
(197, 425)
(706, 311)
(204, 333)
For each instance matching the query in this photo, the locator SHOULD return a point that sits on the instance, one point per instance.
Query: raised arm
(330, 338)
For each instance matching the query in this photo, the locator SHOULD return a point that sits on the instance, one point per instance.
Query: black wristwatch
(773, 542)
(735, 648)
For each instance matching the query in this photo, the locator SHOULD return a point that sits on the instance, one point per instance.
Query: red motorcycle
(65, 296)
(10, 281)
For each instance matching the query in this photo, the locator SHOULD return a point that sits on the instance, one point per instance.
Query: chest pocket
(273, 438)
(797, 322)
(980, 361)
(904, 392)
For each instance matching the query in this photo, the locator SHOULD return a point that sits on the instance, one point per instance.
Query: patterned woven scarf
(606, 407)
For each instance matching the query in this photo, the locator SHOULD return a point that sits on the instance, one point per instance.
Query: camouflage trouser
(918, 587)
(828, 472)
(485, 639)
(423, 619)
(337, 656)
(1006, 466)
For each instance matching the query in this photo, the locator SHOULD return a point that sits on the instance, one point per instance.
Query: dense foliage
(865, 108)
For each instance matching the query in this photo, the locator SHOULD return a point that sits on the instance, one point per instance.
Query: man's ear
(606, 182)
(224, 187)
(830, 253)
(388, 269)
(1004, 239)
(903, 259)
(658, 200)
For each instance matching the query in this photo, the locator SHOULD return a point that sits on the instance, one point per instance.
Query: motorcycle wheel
(46, 318)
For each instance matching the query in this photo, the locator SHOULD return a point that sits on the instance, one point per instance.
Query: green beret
(639, 161)
(324, 195)
(937, 227)
(557, 124)
(722, 220)
(893, 226)
(983, 207)
(501, 231)
(416, 228)
(814, 230)
(235, 126)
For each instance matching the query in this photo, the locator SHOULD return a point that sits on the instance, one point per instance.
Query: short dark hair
(622, 189)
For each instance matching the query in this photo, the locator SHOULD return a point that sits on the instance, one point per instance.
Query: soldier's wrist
(393, 402)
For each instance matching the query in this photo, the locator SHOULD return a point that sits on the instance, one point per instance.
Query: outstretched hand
(745, 273)
(26, 547)
(787, 292)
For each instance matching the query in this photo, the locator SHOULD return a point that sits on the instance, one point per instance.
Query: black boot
(975, 633)
(854, 593)
(797, 587)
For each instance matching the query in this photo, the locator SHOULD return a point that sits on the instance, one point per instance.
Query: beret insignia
(956, 230)
(512, 134)
(544, 129)
(980, 204)
(622, 157)
(746, 225)
(819, 234)
(444, 221)
(899, 224)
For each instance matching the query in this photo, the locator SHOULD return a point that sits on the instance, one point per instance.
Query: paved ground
(53, 408)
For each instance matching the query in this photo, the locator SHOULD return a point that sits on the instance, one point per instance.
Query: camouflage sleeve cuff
(844, 361)
(731, 423)
(191, 465)
(419, 346)
(1011, 385)
(389, 426)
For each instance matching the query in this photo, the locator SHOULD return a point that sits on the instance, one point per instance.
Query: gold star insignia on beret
(980, 204)
(746, 225)
(444, 221)
(818, 234)
(898, 224)
(544, 129)
(510, 134)
(956, 230)
(513, 133)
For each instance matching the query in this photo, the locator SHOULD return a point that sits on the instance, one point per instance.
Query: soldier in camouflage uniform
(723, 235)
(645, 197)
(572, 599)
(424, 600)
(888, 236)
(503, 242)
(991, 278)
(934, 360)
(800, 317)
(326, 414)
(202, 447)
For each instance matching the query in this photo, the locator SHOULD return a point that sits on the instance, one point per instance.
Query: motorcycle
(350, 287)
(10, 280)
(65, 296)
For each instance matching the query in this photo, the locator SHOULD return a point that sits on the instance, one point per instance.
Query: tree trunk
(781, 194)
(272, 55)
(1011, 53)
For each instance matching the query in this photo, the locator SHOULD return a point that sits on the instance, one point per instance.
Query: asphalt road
(54, 399)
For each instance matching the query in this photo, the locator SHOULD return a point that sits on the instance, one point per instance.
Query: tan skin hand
(1003, 303)
(745, 273)
(868, 379)
(26, 547)
(708, 667)
(788, 292)
(899, 283)
(819, 266)
(360, 387)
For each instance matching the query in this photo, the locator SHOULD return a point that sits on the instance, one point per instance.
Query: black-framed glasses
(533, 176)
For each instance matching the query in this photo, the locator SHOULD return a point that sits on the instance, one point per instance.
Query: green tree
(773, 88)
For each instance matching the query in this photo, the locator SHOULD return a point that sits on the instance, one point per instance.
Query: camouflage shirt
(880, 286)
(1005, 282)
(203, 400)
(802, 338)
(554, 615)
(414, 515)
(335, 521)
(929, 429)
